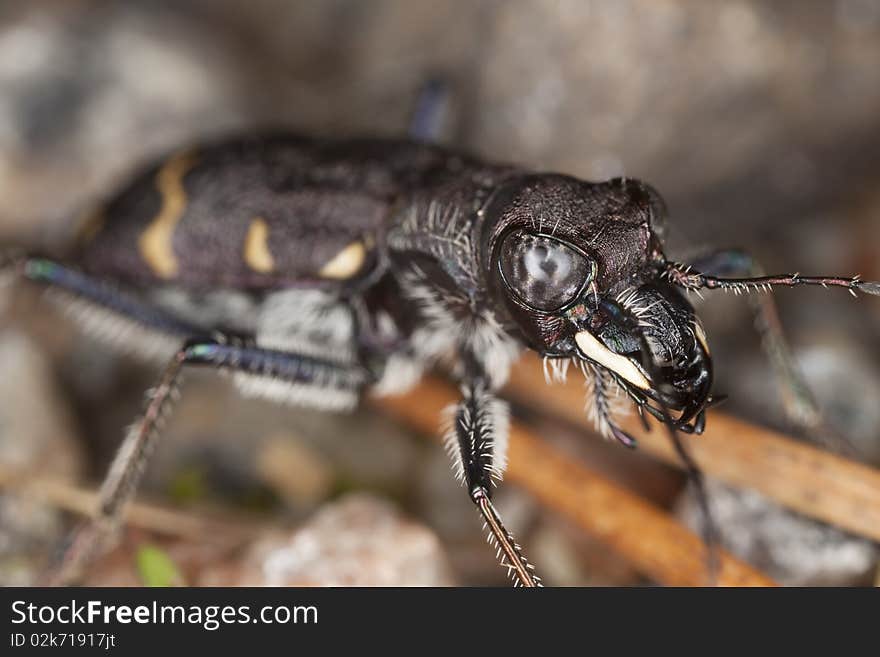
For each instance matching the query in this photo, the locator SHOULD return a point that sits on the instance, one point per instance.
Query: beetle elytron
(314, 270)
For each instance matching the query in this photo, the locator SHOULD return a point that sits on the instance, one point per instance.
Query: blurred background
(759, 122)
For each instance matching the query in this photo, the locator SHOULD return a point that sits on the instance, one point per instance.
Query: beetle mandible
(314, 270)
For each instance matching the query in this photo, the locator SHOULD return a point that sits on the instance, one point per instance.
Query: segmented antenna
(690, 279)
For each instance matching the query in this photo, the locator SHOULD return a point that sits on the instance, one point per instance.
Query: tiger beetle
(315, 270)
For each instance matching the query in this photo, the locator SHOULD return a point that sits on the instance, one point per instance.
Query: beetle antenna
(687, 277)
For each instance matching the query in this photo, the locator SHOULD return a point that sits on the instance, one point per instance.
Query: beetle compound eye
(543, 272)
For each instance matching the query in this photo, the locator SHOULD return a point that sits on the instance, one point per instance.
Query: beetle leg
(91, 536)
(476, 440)
(601, 409)
(108, 297)
(710, 532)
(798, 401)
(430, 114)
(131, 458)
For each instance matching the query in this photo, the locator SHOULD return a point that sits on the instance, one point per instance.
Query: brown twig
(82, 501)
(650, 538)
(798, 476)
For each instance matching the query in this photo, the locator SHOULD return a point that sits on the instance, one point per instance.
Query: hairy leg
(140, 441)
(799, 403)
(477, 442)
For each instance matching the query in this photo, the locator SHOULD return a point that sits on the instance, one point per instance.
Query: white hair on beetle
(630, 300)
(556, 369)
(439, 339)
(425, 222)
(115, 329)
(401, 373)
(231, 309)
(600, 405)
(295, 394)
(497, 416)
(499, 351)
(307, 322)
(446, 331)
(450, 440)
(479, 413)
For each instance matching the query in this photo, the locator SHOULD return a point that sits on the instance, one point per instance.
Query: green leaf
(156, 568)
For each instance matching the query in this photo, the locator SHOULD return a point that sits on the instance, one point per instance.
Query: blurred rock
(91, 88)
(36, 437)
(792, 549)
(568, 557)
(245, 449)
(298, 472)
(843, 376)
(360, 540)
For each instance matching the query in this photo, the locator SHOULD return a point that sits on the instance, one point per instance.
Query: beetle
(314, 270)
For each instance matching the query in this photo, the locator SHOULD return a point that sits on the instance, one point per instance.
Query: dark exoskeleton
(317, 270)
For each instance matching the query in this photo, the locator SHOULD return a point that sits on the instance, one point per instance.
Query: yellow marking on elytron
(346, 263)
(156, 242)
(256, 247)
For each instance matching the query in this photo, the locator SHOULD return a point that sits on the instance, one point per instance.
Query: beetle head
(578, 268)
